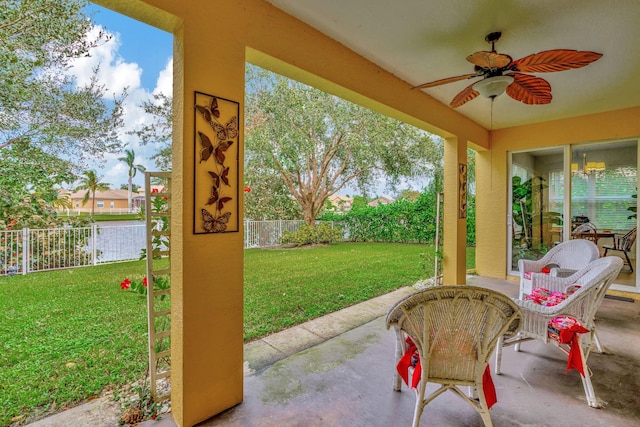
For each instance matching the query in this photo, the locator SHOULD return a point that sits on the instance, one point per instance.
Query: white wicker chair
(570, 255)
(594, 280)
(455, 330)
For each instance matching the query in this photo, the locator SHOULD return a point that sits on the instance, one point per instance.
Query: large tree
(29, 182)
(129, 159)
(318, 144)
(40, 103)
(267, 199)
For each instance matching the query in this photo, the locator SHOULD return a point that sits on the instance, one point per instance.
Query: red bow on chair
(568, 336)
(408, 359)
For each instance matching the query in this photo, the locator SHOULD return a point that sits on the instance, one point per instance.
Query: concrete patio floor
(337, 371)
(346, 380)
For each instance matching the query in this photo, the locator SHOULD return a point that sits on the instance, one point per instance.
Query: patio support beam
(455, 228)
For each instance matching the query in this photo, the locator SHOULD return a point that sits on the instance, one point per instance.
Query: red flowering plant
(135, 286)
(140, 287)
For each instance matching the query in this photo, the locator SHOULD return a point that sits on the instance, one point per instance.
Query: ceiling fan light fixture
(491, 87)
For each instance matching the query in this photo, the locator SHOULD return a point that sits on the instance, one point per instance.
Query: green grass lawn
(68, 335)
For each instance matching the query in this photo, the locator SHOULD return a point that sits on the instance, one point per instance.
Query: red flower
(144, 282)
(154, 190)
(153, 417)
(126, 284)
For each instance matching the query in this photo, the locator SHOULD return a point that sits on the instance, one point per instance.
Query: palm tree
(129, 158)
(91, 183)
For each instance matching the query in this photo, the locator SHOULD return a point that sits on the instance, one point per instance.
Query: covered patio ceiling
(421, 41)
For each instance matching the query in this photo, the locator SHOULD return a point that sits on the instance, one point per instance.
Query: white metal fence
(263, 234)
(29, 250)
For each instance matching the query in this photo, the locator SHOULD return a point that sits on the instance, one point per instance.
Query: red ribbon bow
(568, 336)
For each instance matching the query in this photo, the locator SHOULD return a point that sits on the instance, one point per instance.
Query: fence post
(94, 243)
(25, 250)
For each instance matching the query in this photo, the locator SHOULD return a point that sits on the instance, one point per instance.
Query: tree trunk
(309, 219)
(310, 210)
(129, 194)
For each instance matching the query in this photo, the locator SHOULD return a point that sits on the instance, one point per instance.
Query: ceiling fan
(499, 73)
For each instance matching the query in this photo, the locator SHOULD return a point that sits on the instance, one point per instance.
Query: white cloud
(164, 83)
(117, 74)
(114, 175)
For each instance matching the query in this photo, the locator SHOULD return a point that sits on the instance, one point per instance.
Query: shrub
(307, 235)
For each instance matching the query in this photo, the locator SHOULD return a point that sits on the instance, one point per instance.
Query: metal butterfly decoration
(213, 224)
(216, 221)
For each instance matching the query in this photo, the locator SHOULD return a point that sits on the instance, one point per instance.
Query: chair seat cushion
(545, 297)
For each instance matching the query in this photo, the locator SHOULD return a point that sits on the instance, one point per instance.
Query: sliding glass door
(580, 191)
(604, 182)
(536, 225)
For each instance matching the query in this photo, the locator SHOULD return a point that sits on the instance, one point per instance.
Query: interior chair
(623, 244)
(570, 255)
(582, 305)
(455, 330)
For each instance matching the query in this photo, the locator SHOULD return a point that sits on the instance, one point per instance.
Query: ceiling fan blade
(555, 60)
(530, 90)
(487, 59)
(445, 81)
(466, 95)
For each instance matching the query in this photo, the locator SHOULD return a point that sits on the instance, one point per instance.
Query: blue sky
(147, 46)
(138, 57)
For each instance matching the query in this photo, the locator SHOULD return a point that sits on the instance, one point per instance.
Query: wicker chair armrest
(552, 283)
(529, 265)
(556, 310)
(572, 306)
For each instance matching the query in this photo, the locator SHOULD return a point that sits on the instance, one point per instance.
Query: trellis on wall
(157, 216)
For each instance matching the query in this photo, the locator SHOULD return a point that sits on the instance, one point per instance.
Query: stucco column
(455, 228)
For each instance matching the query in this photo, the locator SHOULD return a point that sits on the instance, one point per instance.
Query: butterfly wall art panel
(216, 164)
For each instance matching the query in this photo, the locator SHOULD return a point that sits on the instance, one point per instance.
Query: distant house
(109, 201)
(341, 203)
(138, 199)
(380, 201)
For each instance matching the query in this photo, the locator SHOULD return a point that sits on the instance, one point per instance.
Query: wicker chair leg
(400, 348)
(499, 355)
(482, 407)
(486, 418)
(422, 386)
(590, 394)
(599, 346)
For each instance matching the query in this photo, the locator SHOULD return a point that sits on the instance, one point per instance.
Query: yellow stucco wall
(492, 173)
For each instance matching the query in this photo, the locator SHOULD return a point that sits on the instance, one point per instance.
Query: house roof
(107, 195)
(336, 198)
(380, 201)
(422, 41)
